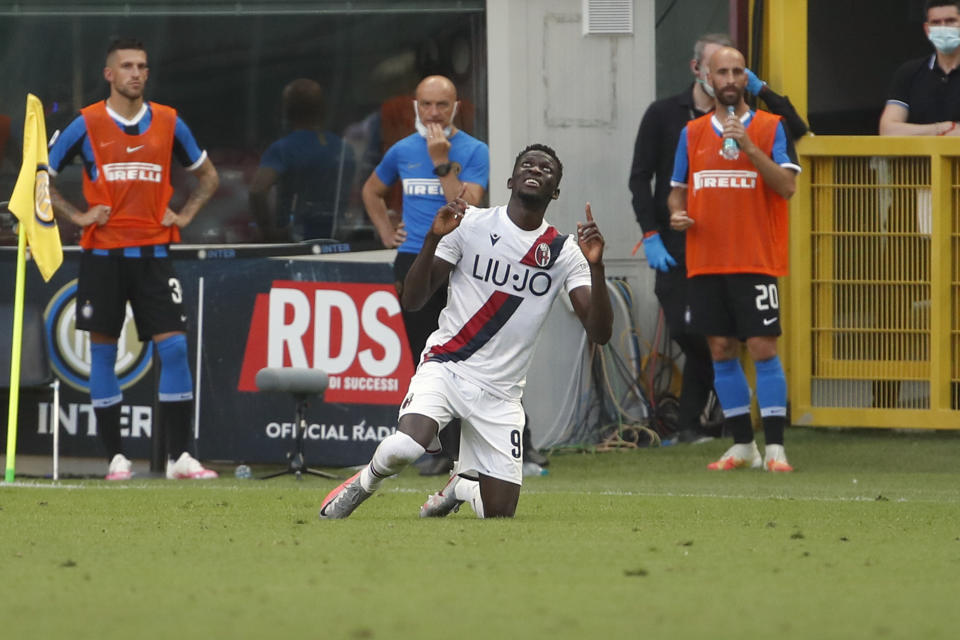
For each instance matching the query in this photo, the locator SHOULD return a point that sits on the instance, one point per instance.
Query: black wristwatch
(443, 169)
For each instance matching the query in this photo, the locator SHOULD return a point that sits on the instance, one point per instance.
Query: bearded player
(128, 145)
(734, 210)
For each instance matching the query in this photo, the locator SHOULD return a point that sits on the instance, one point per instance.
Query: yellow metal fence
(874, 290)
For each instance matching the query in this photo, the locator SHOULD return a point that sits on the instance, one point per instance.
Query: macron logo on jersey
(133, 172)
(720, 179)
(422, 187)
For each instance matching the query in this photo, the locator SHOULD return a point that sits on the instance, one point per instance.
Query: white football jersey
(501, 288)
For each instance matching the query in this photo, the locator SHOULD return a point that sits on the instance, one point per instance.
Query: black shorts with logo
(149, 283)
(740, 305)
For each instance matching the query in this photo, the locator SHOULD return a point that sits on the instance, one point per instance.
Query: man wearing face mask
(664, 248)
(435, 165)
(924, 97)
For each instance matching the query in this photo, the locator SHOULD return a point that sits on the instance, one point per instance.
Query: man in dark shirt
(664, 248)
(310, 168)
(924, 97)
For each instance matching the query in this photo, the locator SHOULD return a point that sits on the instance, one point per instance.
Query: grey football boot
(342, 501)
(444, 502)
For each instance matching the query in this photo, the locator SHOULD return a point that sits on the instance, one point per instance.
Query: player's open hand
(590, 239)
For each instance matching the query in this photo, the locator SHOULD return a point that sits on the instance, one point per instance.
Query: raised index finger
(589, 213)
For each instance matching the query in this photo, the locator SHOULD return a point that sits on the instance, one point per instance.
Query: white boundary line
(196, 393)
(147, 483)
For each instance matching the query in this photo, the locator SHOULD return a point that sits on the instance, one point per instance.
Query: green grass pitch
(862, 541)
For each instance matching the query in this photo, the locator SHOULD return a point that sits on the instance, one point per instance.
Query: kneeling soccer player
(505, 266)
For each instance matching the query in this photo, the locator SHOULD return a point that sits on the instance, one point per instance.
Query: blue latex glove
(657, 255)
(754, 84)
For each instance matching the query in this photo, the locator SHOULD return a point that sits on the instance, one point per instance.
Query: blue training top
(782, 152)
(409, 161)
(74, 140)
(314, 171)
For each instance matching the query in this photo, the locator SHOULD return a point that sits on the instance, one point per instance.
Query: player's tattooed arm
(207, 182)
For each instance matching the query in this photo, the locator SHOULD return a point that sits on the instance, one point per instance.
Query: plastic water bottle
(533, 469)
(243, 471)
(730, 149)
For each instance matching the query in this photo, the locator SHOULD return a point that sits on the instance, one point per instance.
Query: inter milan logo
(542, 254)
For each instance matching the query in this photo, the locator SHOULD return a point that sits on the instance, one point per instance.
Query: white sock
(775, 451)
(469, 491)
(746, 449)
(394, 453)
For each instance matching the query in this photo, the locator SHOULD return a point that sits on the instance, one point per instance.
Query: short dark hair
(939, 3)
(125, 43)
(721, 39)
(303, 102)
(545, 149)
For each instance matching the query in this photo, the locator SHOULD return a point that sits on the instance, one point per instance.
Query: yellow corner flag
(30, 201)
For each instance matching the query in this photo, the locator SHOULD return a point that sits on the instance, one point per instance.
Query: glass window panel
(223, 66)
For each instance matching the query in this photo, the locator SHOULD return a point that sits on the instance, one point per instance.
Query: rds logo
(70, 348)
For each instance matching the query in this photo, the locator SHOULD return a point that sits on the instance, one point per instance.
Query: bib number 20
(767, 297)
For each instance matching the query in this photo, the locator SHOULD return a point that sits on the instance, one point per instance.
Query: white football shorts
(491, 433)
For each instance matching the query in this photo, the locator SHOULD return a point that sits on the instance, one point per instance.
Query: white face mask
(705, 83)
(422, 128)
(945, 39)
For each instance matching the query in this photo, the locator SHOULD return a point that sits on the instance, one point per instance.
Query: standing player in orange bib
(733, 173)
(127, 145)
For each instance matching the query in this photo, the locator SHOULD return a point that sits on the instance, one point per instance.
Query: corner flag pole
(15, 350)
(30, 203)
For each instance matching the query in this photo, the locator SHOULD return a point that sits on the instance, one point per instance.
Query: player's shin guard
(176, 383)
(772, 398)
(105, 396)
(394, 453)
(733, 391)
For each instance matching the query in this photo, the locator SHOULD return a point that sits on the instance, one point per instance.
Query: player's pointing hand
(590, 239)
(449, 216)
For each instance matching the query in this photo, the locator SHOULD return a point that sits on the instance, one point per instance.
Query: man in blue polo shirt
(435, 165)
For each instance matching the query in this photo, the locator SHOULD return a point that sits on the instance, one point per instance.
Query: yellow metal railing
(874, 288)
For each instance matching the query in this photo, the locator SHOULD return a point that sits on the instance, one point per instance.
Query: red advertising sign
(352, 331)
